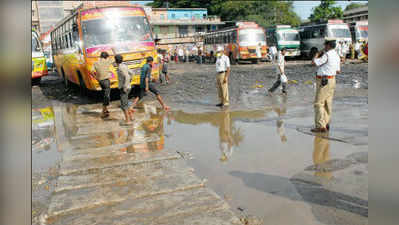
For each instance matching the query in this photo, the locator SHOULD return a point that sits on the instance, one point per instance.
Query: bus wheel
(313, 52)
(82, 86)
(36, 81)
(232, 59)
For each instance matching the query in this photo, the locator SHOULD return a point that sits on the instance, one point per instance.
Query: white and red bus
(240, 42)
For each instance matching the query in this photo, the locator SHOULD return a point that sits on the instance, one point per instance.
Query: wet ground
(257, 154)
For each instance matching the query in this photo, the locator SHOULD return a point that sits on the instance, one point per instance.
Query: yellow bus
(39, 67)
(117, 28)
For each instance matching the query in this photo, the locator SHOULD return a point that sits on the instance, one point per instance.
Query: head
(219, 51)
(118, 59)
(104, 55)
(259, 44)
(328, 45)
(283, 51)
(150, 60)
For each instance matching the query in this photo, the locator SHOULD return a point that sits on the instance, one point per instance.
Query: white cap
(219, 49)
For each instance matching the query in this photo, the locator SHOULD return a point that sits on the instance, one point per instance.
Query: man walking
(103, 74)
(281, 77)
(329, 65)
(223, 73)
(124, 85)
(146, 85)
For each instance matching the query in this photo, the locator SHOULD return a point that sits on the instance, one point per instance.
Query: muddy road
(257, 154)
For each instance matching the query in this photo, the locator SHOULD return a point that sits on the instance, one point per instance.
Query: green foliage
(354, 5)
(326, 10)
(265, 13)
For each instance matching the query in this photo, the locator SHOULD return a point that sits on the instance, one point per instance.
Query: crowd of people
(328, 62)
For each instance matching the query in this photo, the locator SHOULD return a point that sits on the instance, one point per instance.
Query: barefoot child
(124, 80)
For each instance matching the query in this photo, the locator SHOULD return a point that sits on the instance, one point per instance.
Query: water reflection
(281, 109)
(145, 135)
(321, 155)
(230, 136)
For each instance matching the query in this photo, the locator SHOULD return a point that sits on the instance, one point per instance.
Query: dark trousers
(277, 84)
(106, 87)
(124, 99)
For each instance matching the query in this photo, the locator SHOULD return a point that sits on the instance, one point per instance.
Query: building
(182, 25)
(357, 14)
(45, 14)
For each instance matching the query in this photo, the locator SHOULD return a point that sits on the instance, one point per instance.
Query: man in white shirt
(272, 53)
(259, 50)
(223, 73)
(281, 77)
(180, 52)
(329, 65)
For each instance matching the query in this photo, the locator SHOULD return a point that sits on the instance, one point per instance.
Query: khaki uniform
(328, 64)
(321, 155)
(323, 102)
(223, 89)
(222, 64)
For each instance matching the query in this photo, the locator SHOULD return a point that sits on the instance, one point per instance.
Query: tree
(354, 5)
(326, 10)
(265, 13)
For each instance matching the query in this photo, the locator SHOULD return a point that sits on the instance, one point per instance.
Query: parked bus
(284, 36)
(39, 67)
(313, 36)
(117, 28)
(240, 42)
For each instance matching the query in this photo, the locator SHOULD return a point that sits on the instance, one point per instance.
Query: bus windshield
(288, 36)
(123, 29)
(339, 33)
(251, 36)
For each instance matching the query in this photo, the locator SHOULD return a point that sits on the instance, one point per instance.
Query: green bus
(284, 36)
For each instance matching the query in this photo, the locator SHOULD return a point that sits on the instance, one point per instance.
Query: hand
(146, 89)
(225, 80)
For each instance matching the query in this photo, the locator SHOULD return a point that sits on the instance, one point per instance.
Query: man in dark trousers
(146, 85)
(103, 74)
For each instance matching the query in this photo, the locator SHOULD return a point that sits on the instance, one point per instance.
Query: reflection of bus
(39, 67)
(284, 36)
(240, 42)
(78, 40)
(313, 36)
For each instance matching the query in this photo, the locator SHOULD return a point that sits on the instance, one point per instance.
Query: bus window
(66, 41)
(338, 32)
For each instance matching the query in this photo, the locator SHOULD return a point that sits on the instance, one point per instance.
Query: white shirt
(195, 50)
(222, 63)
(328, 64)
(273, 52)
(181, 52)
(258, 51)
(280, 63)
(340, 50)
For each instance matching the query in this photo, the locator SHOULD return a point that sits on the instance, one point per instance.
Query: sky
(304, 8)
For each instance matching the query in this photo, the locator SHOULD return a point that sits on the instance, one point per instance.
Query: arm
(227, 75)
(146, 84)
(320, 61)
(147, 73)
